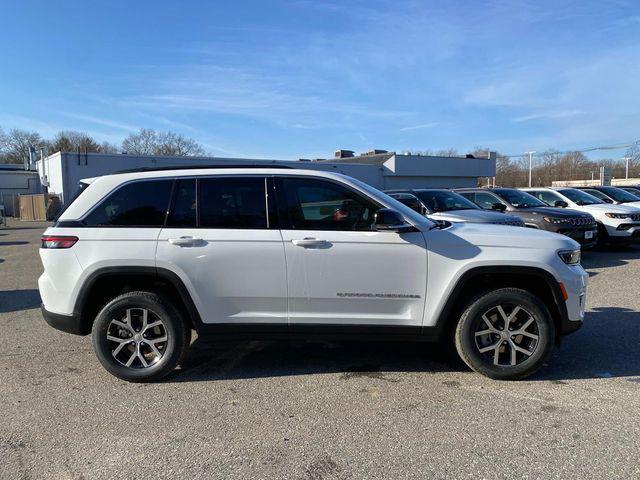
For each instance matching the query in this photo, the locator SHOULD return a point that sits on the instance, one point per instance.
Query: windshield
(633, 191)
(445, 201)
(518, 198)
(619, 195)
(580, 197)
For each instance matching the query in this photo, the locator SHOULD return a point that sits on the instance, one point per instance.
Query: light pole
(626, 175)
(530, 160)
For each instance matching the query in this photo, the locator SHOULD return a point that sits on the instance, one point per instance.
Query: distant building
(14, 181)
(61, 172)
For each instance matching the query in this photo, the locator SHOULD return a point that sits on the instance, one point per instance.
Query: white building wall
(65, 170)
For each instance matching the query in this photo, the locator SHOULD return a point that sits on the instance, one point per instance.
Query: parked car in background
(632, 190)
(614, 195)
(140, 259)
(536, 214)
(446, 205)
(617, 224)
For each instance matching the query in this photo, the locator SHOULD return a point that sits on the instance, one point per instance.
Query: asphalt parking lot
(318, 410)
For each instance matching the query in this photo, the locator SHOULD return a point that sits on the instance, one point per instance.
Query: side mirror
(499, 207)
(388, 220)
(561, 204)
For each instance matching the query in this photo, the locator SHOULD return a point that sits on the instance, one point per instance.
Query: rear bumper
(65, 323)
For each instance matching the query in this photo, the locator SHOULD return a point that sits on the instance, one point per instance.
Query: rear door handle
(310, 242)
(185, 241)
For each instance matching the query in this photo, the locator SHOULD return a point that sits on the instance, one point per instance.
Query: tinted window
(580, 197)
(139, 204)
(519, 199)
(322, 205)
(550, 198)
(232, 202)
(482, 199)
(410, 201)
(441, 201)
(183, 208)
(633, 191)
(599, 194)
(619, 195)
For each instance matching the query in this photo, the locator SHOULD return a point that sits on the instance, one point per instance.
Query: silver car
(445, 205)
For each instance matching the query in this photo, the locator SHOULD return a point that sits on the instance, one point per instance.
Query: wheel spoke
(525, 325)
(490, 347)
(152, 325)
(156, 340)
(155, 350)
(504, 316)
(118, 339)
(489, 324)
(484, 332)
(514, 354)
(131, 358)
(145, 314)
(122, 325)
(496, 356)
(141, 357)
(120, 347)
(527, 334)
(521, 350)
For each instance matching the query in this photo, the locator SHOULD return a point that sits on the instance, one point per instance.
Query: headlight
(570, 257)
(618, 215)
(554, 219)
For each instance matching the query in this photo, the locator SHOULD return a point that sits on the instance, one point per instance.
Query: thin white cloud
(549, 115)
(101, 121)
(419, 127)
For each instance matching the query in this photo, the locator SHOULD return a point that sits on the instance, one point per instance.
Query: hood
(554, 212)
(514, 237)
(610, 207)
(473, 216)
(630, 204)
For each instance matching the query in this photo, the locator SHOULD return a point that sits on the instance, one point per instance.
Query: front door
(339, 270)
(225, 249)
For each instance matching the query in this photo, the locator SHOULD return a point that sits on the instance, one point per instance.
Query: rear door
(221, 242)
(339, 270)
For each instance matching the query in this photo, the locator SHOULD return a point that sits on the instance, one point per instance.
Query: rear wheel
(505, 334)
(140, 337)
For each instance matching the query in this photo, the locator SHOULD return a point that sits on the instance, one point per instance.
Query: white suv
(617, 224)
(141, 258)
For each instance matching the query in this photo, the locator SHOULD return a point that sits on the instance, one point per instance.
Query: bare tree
(175, 144)
(150, 142)
(72, 141)
(142, 143)
(14, 146)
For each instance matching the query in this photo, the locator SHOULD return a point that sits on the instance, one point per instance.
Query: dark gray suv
(536, 214)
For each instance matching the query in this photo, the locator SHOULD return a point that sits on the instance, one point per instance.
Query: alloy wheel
(507, 335)
(138, 339)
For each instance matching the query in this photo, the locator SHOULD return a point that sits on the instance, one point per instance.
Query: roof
(377, 159)
(11, 166)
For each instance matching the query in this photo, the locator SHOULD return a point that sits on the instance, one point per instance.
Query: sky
(301, 78)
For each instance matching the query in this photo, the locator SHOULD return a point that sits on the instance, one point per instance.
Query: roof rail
(196, 167)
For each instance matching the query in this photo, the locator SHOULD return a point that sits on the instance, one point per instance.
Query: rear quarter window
(137, 204)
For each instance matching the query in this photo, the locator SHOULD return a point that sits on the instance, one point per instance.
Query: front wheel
(140, 337)
(505, 334)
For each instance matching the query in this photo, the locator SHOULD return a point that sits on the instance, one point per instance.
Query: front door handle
(310, 242)
(185, 241)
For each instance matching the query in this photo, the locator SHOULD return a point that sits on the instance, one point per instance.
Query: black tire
(131, 305)
(471, 323)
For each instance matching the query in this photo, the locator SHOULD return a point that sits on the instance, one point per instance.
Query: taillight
(58, 241)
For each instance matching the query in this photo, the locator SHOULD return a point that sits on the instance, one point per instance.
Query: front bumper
(586, 237)
(65, 323)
